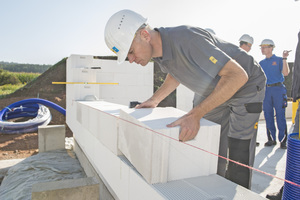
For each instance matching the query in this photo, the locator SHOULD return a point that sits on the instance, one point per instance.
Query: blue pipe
(26, 108)
(292, 172)
(22, 111)
(33, 101)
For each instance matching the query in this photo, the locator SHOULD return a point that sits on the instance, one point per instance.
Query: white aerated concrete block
(154, 149)
(134, 83)
(51, 137)
(101, 119)
(80, 61)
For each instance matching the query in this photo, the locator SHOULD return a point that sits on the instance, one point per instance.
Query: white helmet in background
(267, 42)
(120, 31)
(246, 38)
(211, 31)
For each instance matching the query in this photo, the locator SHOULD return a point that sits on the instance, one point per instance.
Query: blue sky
(44, 32)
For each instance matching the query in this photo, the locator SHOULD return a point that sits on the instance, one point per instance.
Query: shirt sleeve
(207, 55)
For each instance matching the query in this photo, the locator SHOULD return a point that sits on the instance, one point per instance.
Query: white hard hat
(267, 42)
(120, 31)
(246, 38)
(211, 31)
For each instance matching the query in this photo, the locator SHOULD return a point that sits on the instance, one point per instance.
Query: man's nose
(130, 58)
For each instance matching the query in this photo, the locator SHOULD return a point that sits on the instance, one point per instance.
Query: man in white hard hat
(211, 31)
(295, 96)
(231, 84)
(275, 69)
(246, 42)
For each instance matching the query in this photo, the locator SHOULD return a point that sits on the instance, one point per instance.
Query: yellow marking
(84, 83)
(213, 60)
(256, 125)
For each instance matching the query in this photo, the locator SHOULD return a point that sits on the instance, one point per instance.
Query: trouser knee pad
(239, 152)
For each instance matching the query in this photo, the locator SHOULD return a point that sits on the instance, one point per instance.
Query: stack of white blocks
(154, 149)
(134, 83)
(107, 132)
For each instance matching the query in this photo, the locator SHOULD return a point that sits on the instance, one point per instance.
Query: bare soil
(13, 146)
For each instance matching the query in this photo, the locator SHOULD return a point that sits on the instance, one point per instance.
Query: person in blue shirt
(296, 96)
(275, 69)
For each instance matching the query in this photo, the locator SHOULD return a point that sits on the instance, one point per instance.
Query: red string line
(238, 163)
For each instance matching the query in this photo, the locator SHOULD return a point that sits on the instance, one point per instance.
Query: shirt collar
(271, 57)
(166, 45)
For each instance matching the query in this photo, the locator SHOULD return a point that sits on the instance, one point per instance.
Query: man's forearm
(285, 68)
(169, 85)
(233, 77)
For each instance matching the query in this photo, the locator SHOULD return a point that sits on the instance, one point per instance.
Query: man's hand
(150, 103)
(285, 53)
(190, 126)
(169, 85)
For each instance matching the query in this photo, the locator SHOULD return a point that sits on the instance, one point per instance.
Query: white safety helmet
(120, 31)
(267, 42)
(211, 31)
(246, 38)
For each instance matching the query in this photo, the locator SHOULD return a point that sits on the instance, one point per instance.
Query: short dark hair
(242, 42)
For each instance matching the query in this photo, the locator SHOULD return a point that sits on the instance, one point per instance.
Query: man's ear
(145, 35)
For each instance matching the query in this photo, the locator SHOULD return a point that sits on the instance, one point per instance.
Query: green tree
(8, 78)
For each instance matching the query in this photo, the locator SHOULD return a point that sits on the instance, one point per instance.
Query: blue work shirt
(273, 69)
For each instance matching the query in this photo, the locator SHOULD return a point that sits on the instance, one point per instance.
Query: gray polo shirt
(194, 57)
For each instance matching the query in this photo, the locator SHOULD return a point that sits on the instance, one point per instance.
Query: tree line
(28, 68)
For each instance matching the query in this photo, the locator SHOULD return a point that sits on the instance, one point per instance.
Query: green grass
(8, 89)
(12, 81)
(26, 77)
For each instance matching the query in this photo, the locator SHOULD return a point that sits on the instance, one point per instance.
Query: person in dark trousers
(230, 82)
(295, 96)
(275, 69)
(246, 42)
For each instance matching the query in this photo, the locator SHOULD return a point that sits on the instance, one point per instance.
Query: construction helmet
(211, 31)
(246, 38)
(120, 31)
(267, 42)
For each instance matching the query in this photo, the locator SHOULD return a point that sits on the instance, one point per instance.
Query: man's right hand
(150, 103)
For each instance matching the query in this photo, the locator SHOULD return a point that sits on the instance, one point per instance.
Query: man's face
(266, 49)
(140, 50)
(246, 47)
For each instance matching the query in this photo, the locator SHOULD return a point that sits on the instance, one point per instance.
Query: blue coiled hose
(292, 172)
(33, 107)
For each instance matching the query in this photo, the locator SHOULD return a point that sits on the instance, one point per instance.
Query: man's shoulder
(262, 61)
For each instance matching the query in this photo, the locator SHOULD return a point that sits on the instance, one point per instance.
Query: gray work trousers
(236, 122)
(296, 126)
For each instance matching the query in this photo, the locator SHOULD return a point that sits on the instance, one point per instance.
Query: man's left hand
(190, 126)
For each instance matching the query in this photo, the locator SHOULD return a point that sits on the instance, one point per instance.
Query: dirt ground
(13, 146)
